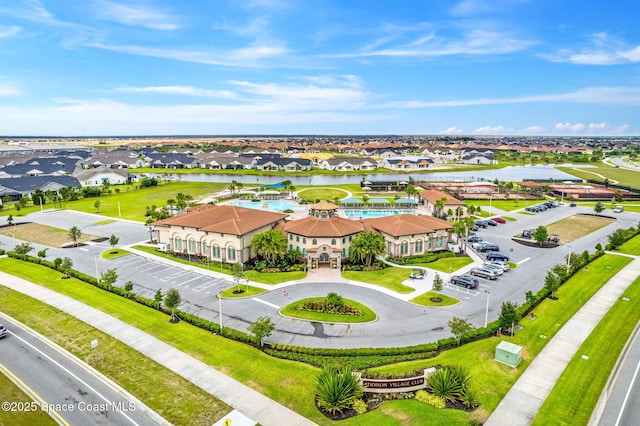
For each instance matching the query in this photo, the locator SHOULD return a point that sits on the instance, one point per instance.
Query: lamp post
(486, 311)
(97, 272)
(569, 259)
(220, 309)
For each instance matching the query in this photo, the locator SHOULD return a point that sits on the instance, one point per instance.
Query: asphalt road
(622, 406)
(399, 323)
(64, 387)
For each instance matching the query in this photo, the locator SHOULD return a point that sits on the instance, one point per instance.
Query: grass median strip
(171, 396)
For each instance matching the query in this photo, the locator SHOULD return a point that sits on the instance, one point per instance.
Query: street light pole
(97, 272)
(568, 259)
(486, 311)
(220, 309)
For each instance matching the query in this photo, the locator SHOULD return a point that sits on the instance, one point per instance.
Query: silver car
(488, 273)
(504, 265)
(497, 268)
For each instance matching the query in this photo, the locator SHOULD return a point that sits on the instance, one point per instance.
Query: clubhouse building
(223, 233)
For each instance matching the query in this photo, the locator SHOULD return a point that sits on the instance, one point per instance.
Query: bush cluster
(422, 258)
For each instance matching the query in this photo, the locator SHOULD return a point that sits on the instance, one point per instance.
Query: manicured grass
(566, 406)
(512, 265)
(248, 291)
(408, 413)
(290, 383)
(577, 226)
(316, 193)
(130, 203)
(390, 278)
(506, 205)
(448, 264)
(10, 392)
(603, 171)
(155, 385)
(113, 253)
(42, 234)
(265, 278)
(631, 247)
(493, 379)
(425, 299)
(291, 311)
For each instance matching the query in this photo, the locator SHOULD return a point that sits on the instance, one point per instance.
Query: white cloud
(598, 126)
(451, 131)
(577, 127)
(488, 130)
(8, 90)
(602, 50)
(135, 16)
(180, 90)
(533, 130)
(10, 31)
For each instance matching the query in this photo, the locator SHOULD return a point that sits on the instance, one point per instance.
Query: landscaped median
(332, 309)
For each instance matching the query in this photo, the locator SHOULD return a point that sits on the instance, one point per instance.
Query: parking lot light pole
(486, 311)
(569, 259)
(220, 309)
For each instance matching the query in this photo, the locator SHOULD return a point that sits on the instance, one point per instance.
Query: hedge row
(423, 258)
(334, 352)
(355, 362)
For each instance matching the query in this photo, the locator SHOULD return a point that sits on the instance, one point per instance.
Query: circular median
(359, 313)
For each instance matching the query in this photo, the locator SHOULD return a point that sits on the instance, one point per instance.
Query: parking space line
(203, 286)
(523, 261)
(266, 303)
(188, 281)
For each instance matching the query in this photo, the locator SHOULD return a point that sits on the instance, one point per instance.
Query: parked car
(572, 205)
(498, 220)
(484, 273)
(504, 265)
(490, 265)
(418, 274)
(494, 255)
(474, 239)
(482, 223)
(491, 222)
(484, 247)
(618, 209)
(3, 331)
(465, 281)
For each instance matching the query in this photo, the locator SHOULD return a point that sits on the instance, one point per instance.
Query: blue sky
(475, 67)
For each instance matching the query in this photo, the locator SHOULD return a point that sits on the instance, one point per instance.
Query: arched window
(333, 242)
(204, 248)
(404, 248)
(304, 241)
(323, 215)
(314, 242)
(192, 245)
(178, 243)
(438, 241)
(231, 254)
(304, 252)
(418, 246)
(215, 251)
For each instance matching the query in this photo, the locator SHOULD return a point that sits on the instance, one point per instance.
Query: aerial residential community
(277, 212)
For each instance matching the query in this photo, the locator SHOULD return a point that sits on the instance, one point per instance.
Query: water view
(277, 206)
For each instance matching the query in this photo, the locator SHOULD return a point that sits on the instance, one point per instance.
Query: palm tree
(75, 234)
(366, 246)
(440, 206)
(270, 245)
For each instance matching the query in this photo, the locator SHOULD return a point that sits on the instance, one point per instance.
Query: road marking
(22, 385)
(188, 281)
(266, 303)
(626, 397)
(72, 375)
(523, 260)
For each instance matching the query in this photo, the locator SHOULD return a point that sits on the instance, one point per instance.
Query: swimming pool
(367, 214)
(267, 205)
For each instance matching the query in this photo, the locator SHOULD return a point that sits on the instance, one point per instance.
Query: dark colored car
(572, 205)
(482, 223)
(3, 331)
(474, 239)
(498, 219)
(465, 281)
(484, 273)
(484, 247)
(494, 255)
(492, 222)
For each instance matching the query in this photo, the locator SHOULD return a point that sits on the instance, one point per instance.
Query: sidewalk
(249, 402)
(521, 404)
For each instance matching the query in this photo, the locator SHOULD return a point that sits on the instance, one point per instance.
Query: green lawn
(506, 205)
(425, 299)
(248, 291)
(565, 406)
(291, 311)
(602, 171)
(448, 264)
(113, 253)
(390, 278)
(131, 204)
(155, 385)
(315, 193)
(631, 247)
(408, 413)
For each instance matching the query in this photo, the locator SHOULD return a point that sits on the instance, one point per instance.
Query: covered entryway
(324, 256)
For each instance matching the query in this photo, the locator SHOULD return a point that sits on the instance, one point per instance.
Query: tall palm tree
(440, 206)
(75, 234)
(270, 245)
(366, 246)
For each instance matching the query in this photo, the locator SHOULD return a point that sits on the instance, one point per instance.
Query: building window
(430, 243)
(304, 241)
(216, 251)
(438, 241)
(290, 246)
(323, 215)
(297, 238)
(350, 237)
(314, 242)
(333, 242)
(344, 240)
(290, 237)
(298, 248)
(304, 252)
(404, 248)
(419, 246)
(231, 254)
(204, 248)
(344, 252)
(192, 245)
(178, 244)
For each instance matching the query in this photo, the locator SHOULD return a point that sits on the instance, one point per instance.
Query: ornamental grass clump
(337, 389)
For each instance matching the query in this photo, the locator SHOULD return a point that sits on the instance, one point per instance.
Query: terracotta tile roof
(406, 224)
(324, 205)
(433, 195)
(224, 219)
(313, 227)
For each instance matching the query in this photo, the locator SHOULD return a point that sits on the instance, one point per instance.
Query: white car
(504, 265)
(3, 331)
(494, 267)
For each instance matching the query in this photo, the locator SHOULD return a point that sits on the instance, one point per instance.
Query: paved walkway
(523, 401)
(249, 402)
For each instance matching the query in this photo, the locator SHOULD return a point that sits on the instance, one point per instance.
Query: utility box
(508, 353)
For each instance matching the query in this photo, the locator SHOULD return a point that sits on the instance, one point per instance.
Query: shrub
(433, 400)
(444, 384)
(359, 406)
(337, 389)
(470, 398)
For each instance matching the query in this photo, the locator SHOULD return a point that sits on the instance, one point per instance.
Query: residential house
(430, 198)
(98, 176)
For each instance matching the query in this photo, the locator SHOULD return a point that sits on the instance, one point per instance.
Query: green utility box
(508, 353)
